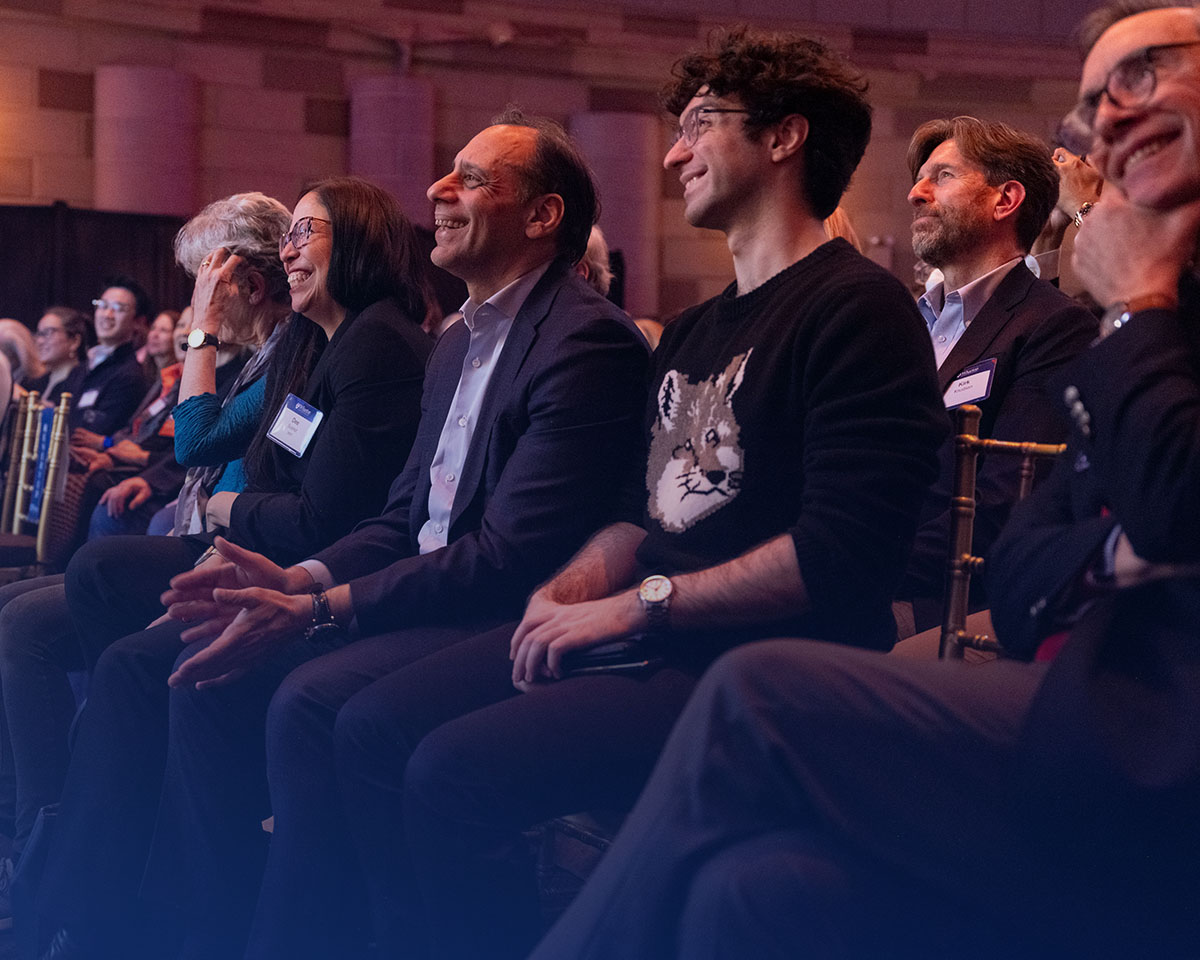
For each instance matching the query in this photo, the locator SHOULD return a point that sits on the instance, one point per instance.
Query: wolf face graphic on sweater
(695, 463)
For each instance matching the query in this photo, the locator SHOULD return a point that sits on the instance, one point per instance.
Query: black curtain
(61, 255)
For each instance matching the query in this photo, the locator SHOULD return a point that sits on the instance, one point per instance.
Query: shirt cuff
(319, 572)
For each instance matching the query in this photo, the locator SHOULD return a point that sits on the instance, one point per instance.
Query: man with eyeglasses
(791, 435)
(814, 802)
(114, 383)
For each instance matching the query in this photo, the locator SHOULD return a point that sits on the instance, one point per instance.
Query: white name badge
(157, 407)
(295, 425)
(973, 383)
(88, 399)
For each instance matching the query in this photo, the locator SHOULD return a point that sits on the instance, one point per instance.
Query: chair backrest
(18, 416)
(41, 470)
(961, 563)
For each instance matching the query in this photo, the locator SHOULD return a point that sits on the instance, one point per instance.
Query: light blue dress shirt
(949, 314)
(489, 324)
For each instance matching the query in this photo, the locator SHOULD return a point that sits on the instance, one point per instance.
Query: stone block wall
(277, 82)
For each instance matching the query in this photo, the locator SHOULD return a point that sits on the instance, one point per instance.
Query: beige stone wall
(276, 76)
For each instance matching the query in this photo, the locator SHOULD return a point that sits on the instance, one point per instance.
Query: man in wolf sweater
(792, 434)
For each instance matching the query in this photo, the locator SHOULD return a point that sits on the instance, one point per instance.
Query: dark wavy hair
(558, 166)
(774, 76)
(375, 256)
(1003, 153)
(141, 298)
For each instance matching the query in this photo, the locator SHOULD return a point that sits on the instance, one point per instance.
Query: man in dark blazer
(531, 409)
(114, 383)
(981, 193)
(813, 805)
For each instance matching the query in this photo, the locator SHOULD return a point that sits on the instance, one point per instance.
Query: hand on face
(1124, 252)
(216, 295)
(1078, 183)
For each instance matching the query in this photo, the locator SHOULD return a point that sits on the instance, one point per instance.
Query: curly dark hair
(1003, 153)
(774, 76)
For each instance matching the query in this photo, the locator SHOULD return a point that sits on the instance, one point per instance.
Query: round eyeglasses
(300, 233)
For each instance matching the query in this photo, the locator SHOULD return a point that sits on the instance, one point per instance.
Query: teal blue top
(207, 433)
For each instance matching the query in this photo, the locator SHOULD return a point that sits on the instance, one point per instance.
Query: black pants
(441, 765)
(815, 802)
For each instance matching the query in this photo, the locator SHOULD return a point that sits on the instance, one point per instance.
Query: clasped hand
(244, 606)
(549, 630)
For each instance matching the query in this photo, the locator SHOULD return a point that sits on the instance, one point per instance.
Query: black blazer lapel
(516, 347)
(973, 345)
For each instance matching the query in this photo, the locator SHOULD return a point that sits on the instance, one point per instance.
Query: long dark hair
(375, 257)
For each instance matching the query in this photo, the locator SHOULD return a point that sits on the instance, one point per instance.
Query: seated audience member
(594, 267)
(38, 643)
(542, 381)
(981, 194)
(63, 336)
(353, 351)
(19, 347)
(765, 400)
(160, 352)
(816, 805)
(114, 382)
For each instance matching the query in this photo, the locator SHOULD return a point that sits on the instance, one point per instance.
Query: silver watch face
(655, 589)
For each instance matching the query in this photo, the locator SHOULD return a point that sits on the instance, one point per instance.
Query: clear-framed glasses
(300, 233)
(690, 128)
(1131, 83)
(114, 305)
(48, 332)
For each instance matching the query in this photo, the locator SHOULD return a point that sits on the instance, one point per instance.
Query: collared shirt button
(438, 528)
(475, 363)
(449, 478)
(462, 421)
(941, 339)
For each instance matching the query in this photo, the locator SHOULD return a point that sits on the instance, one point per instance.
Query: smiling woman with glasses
(62, 342)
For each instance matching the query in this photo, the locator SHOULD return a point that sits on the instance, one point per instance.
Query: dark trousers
(834, 803)
(114, 588)
(38, 648)
(442, 764)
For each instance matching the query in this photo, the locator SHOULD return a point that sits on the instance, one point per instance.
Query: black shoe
(62, 947)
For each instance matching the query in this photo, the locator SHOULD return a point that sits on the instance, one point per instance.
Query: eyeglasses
(48, 333)
(300, 233)
(689, 127)
(1131, 83)
(114, 305)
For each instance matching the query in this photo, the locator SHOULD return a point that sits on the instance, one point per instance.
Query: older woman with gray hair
(38, 644)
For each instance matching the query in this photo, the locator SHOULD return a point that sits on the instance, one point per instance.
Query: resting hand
(264, 621)
(230, 568)
(126, 451)
(1130, 570)
(87, 438)
(548, 630)
(129, 494)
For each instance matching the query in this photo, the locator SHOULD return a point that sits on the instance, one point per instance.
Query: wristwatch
(655, 595)
(322, 617)
(1120, 313)
(198, 338)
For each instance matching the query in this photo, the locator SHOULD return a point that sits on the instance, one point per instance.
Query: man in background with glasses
(114, 383)
(816, 802)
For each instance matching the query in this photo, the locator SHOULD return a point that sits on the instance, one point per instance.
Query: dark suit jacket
(69, 384)
(559, 424)
(120, 383)
(1032, 330)
(1111, 746)
(367, 383)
